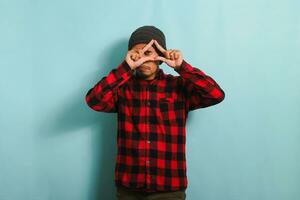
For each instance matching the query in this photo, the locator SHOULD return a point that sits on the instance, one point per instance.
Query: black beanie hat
(145, 34)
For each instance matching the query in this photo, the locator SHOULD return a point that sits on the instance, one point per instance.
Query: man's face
(148, 69)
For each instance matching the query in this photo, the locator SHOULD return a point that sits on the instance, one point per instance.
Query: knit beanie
(145, 34)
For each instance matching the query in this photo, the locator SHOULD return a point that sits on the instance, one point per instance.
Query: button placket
(147, 114)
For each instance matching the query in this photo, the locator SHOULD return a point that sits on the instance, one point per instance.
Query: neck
(140, 76)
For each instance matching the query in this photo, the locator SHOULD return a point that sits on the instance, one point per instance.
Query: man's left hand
(172, 57)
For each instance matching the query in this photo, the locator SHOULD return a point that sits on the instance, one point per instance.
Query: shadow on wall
(102, 173)
(77, 115)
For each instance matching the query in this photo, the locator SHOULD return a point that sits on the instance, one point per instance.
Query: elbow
(219, 95)
(88, 98)
(222, 96)
(93, 106)
(87, 101)
(99, 106)
(91, 102)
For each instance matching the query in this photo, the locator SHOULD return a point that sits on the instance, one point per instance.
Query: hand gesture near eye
(172, 57)
(135, 58)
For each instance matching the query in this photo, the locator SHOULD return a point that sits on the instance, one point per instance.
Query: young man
(152, 109)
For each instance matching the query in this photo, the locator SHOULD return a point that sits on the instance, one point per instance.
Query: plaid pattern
(151, 122)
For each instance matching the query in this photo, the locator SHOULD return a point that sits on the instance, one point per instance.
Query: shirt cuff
(126, 66)
(124, 69)
(186, 68)
(183, 67)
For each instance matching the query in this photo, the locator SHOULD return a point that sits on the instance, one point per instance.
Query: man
(152, 110)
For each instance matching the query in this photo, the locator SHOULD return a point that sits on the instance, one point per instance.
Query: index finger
(147, 46)
(159, 47)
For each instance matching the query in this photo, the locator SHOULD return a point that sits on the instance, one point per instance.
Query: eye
(148, 52)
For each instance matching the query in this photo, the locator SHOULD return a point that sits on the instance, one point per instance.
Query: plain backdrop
(54, 147)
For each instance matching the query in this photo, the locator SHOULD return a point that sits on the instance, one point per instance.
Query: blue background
(53, 147)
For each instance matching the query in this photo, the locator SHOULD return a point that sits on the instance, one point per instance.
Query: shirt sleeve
(103, 96)
(201, 90)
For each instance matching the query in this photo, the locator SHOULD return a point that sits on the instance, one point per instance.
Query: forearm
(102, 96)
(203, 90)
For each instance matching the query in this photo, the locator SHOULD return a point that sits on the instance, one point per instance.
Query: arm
(103, 96)
(202, 91)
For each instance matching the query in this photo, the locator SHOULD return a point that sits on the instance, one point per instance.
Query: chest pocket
(172, 110)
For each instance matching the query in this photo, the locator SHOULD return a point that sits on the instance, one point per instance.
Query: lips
(144, 68)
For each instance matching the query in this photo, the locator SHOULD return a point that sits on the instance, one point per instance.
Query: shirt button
(148, 161)
(148, 103)
(148, 141)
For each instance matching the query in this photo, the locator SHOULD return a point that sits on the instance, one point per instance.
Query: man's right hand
(135, 58)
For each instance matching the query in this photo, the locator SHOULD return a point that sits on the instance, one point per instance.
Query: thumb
(145, 59)
(160, 58)
(148, 58)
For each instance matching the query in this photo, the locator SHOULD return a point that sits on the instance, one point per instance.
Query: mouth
(143, 67)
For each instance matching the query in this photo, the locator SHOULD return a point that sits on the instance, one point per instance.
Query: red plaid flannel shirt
(151, 122)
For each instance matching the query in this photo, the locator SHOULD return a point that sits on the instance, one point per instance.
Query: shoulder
(173, 78)
(174, 81)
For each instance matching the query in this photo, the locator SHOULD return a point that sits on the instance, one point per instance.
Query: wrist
(179, 66)
(128, 65)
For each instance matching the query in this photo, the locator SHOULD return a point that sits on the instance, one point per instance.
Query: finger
(132, 57)
(140, 52)
(159, 47)
(135, 57)
(133, 51)
(148, 58)
(134, 54)
(147, 46)
(167, 54)
(176, 55)
(145, 59)
(172, 56)
(161, 58)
